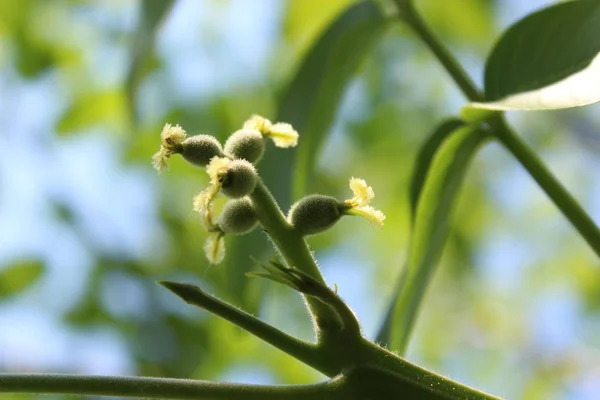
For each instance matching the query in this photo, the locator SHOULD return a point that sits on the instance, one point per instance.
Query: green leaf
(18, 277)
(460, 21)
(153, 12)
(277, 272)
(425, 158)
(436, 194)
(311, 100)
(305, 19)
(548, 60)
(104, 108)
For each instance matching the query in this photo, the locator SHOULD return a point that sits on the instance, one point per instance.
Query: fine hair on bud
(238, 217)
(247, 144)
(200, 149)
(315, 213)
(239, 180)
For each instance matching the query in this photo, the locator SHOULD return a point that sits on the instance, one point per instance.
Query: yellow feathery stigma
(374, 216)
(215, 169)
(171, 138)
(359, 203)
(363, 193)
(259, 123)
(208, 219)
(214, 248)
(283, 135)
(203, 201)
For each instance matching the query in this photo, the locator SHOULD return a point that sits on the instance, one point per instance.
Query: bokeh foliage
(483, 321)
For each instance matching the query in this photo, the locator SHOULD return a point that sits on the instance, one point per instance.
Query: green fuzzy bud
(315, 213)
(247, 144)
(199, 149)
(239, 180)
(238, 217)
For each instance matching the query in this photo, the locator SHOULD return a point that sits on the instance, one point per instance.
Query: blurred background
(514, 308)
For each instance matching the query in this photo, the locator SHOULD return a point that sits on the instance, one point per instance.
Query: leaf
(153, 12)
(311, 100)
(18, 277)
(431, 219)
(96, 108)
(548, 60)
(277, 272)
(425, 158)
(305, 19)
(460, 21)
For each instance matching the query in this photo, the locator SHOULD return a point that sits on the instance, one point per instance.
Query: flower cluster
(232, 173)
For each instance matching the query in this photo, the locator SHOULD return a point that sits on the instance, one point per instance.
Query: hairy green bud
(199, 149)
(247, 144)
(238, 217)
(315, 213)
(239, 180)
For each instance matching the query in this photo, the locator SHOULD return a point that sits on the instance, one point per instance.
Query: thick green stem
(306, 352)
(410, 15)
(380, 374)
(163, 388)
(351, 326)
(553, 188)
(290, 244)
(339, 351)
(294, 250)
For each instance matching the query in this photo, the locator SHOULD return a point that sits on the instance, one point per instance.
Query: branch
(294, 251)
(557, 193)
(563, 200)
(303, 351)
(163, 388)
(292, 245)
(371, 382)
(409, 14)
